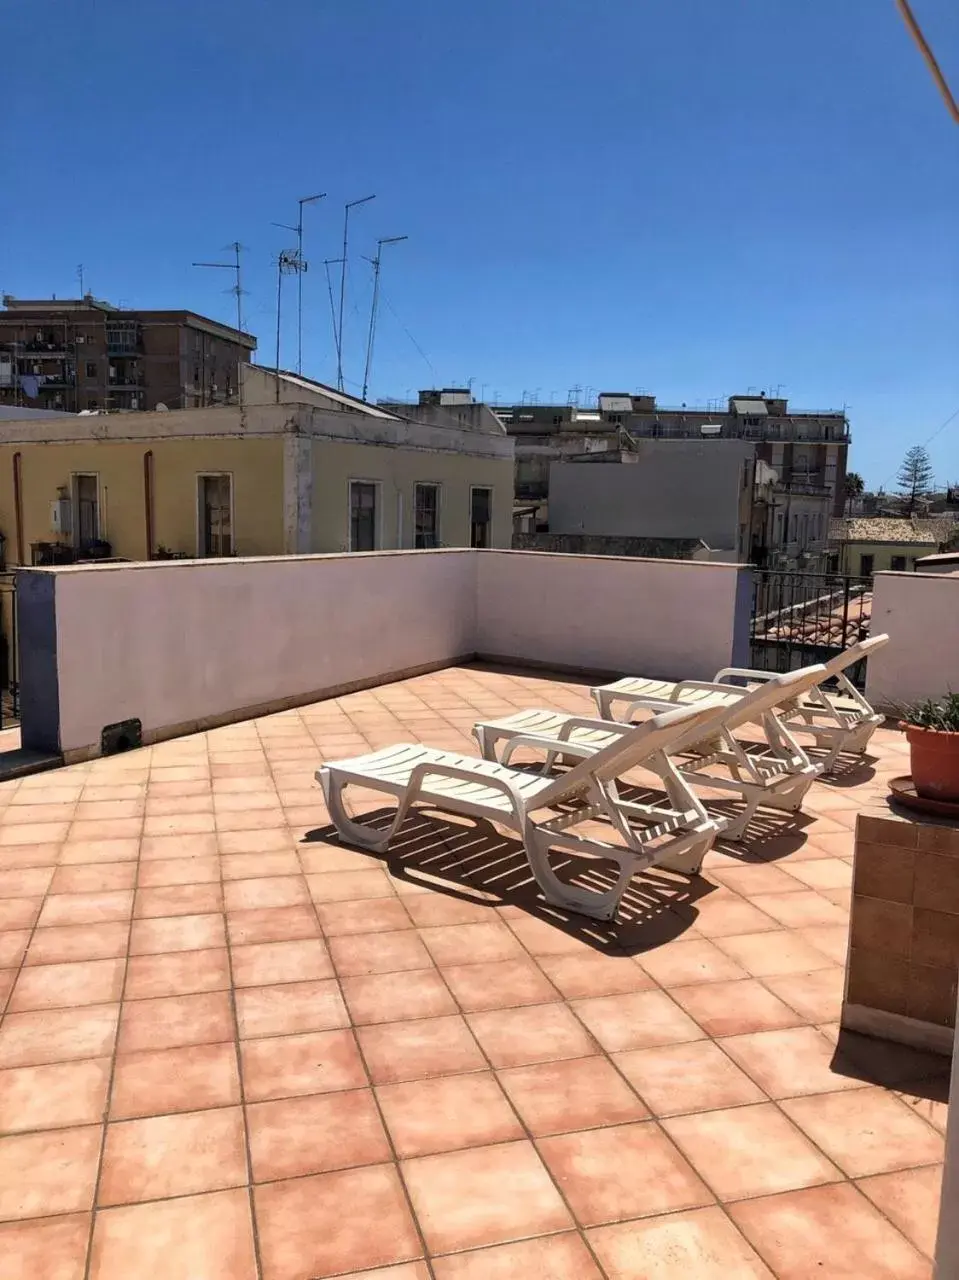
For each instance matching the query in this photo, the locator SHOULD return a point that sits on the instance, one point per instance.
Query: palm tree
(852, 488)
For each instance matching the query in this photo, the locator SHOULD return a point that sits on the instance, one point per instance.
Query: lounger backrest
(765, 697)
(861, 649)
(631, 749)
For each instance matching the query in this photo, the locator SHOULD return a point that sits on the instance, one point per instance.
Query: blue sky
(690, 197)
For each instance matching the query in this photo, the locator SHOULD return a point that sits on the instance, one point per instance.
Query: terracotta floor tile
(678, 1078)
(266, 891)
(382, 952)
(830, 940)
(799, 910)
(816, 996)
(484, 1195)
(49, 1249)
(267, 963)
(170, 1022)
(752, 878)
(290, 1066)
(562, 1257)
(178, 899)
(462, 944)
(500, 984)
(910, 1200)
(254, 866)
(177, 933)
(419, 1049)
(34, 833)
(689, 960)
(160, 847)
(19, 913)
(209, 1236)
(866, 1131)
(105, 829)
(131, 808)
(61, 811)
(827, 1231)
(260, 843)
(733, 1008)
(19, 856)
(766, 955)
(315, 1134)
(57, 1096)
(13, 946)
(392, 997)
(59, 986)
(636, 1021)
(434, 909)
(536, 1033)
(823, 873)
(594, 975)
(177, 973)
(62, 1165)
(179, 824)
(447, 1112)
(88, 852)
(271, 924)
(25, 882)
(372, 915)
(94, 877)
(749, 1151)
(788, 1063)
(627, 1171)
(579, 1093)
(724, 914)
(57, 1035)
(699, 1243)
(158, 1081)
(541, 938)
(71, 942)
(320, 856)
(173, 1155)
(349, 886)
(290, 1007)
(334, 1222)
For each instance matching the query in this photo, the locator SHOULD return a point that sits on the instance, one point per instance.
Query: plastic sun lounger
(677, 835)
(838, 717)
(778, 774)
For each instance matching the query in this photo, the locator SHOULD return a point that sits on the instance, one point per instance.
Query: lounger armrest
(645, 703)
(592, 722)
(744, 673)
(415, 785)
(713, 686)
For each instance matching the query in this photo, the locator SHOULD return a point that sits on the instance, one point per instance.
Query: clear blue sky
(693, 197)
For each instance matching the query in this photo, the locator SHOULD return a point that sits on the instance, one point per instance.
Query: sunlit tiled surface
(233, 1048)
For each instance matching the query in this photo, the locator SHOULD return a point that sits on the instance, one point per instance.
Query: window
(865, 565)
(426, 520)
(86, 505)
(362, 516)
(481, 505)
(897, 562)
(215, 515)
(91, 368)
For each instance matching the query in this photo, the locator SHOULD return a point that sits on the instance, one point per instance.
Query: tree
(915, 477)
(852, 487)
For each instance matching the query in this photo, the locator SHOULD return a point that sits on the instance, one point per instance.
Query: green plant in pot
(932, 731)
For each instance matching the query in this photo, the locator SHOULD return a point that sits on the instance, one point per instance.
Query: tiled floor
(233, 1048)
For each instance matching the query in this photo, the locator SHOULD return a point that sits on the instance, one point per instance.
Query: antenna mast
(350, 204)
(373, 307)
(237, 289)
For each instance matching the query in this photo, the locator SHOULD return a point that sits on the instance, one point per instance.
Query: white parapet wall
(920, 614)
(180, 645)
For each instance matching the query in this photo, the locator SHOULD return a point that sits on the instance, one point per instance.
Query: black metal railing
(9, 655)
(803, 618)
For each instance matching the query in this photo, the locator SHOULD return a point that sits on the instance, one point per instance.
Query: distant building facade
(84, 354)
(871, 544)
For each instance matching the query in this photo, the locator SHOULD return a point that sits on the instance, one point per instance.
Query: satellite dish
(163, 408)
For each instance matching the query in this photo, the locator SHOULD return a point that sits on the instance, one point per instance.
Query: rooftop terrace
(235, 1048)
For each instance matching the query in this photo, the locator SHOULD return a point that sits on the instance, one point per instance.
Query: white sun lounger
(677, 835)
(835, 714)
(777, 773)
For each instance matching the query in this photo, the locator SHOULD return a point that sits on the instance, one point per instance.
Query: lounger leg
(738, 825)
(353, 832)
(690, 861)
(485, 743)
(599, 906)
(603, 703)
(789, 799)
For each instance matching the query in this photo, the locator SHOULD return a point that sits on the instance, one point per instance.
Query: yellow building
(297, 469)
(870, 544)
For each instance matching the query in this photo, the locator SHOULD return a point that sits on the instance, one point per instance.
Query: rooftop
(234, 1047)
(921, 532)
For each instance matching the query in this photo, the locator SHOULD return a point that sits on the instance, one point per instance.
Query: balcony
(432, 1062)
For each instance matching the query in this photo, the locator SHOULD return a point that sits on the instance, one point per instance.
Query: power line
(392, 310)
(928, 441)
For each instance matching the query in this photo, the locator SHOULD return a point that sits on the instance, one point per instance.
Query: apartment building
(298, 469)
(85, 354)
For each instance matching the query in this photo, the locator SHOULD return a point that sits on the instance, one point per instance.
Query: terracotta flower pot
(934, 755)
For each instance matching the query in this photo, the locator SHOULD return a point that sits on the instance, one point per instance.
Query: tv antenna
(327, 263)
(301, 267)
(376, 298)
(350, 204)
(236, 289)
(287, 264)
